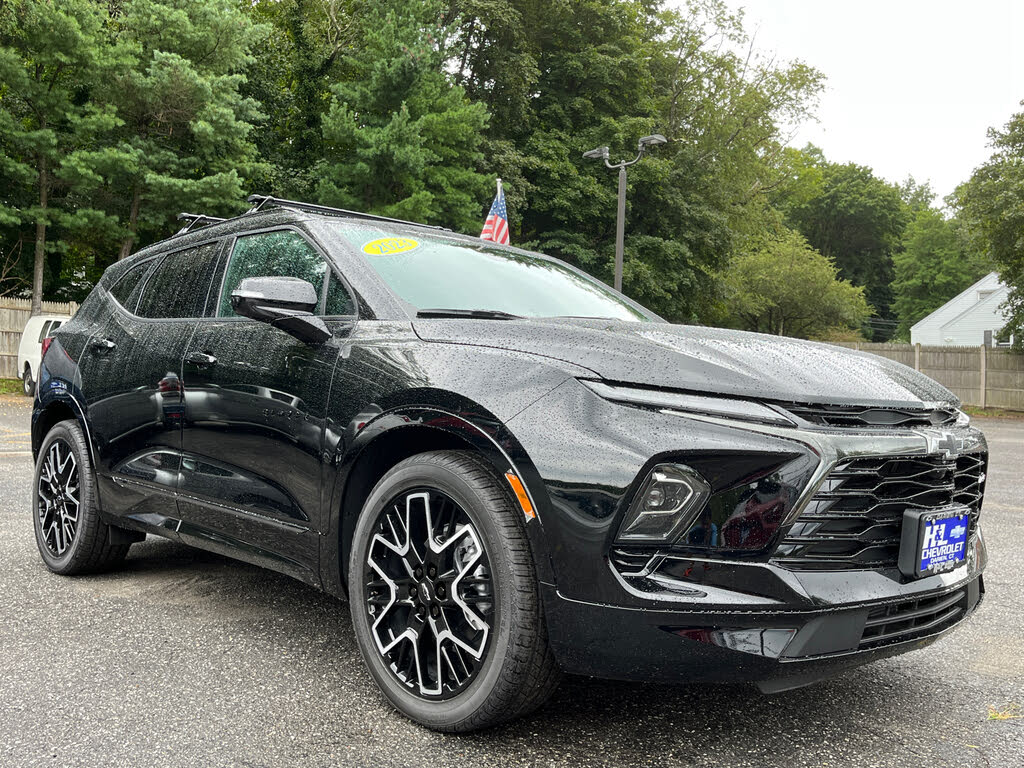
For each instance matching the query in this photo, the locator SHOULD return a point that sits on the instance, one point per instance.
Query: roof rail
(195, 220)
(259, 201)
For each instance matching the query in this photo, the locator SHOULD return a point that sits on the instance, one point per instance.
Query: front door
(255, 402)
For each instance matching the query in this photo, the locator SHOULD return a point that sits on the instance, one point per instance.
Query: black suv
(508, 468)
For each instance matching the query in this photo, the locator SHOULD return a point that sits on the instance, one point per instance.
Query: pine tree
(401, 139)
(185, 140)
(51, 56)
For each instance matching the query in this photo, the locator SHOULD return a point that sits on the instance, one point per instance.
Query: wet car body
(269, 455)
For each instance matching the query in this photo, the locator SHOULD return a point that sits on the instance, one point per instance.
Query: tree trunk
(37, 274)
(133, 218)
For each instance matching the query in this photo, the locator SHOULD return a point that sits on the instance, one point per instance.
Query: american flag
(496, 225)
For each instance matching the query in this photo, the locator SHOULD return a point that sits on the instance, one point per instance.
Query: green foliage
(856, 219)
(991, 205)
(561, 78)
(932, 268)
(784, 286)
(115, 116)
(51, 54)
(400, 139)
(184, 139)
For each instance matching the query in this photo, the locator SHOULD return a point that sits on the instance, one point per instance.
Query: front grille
(855, 520)
(852, 416)
(913, 618)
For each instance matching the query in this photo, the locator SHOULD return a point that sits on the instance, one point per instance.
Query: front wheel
(71, 537)
(444, 596)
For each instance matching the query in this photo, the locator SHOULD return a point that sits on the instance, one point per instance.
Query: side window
(180, 284)
(271, 254)
(339, 302)
(44, 331)
(124, 290)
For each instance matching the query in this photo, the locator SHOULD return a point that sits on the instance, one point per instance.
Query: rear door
(131, 380)
(255, 402)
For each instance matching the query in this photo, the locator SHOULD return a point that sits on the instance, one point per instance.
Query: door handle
(201, 359)
(103, 345)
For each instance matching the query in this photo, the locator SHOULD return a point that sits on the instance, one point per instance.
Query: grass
(992, 413)
(10, 387)
(1009, 711)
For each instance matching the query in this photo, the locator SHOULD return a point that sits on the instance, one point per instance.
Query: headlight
(724, 407)
(667, 503)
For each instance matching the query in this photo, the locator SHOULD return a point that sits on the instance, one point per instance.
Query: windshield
(432, 272)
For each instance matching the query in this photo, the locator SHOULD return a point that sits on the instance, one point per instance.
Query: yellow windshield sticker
(389, 246)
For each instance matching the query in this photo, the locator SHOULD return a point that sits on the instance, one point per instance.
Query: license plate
(933, 541)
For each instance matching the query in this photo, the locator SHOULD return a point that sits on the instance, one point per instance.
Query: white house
(964, 319)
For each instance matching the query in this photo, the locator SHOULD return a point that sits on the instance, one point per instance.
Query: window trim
(218, 241)
(159, 258)
(141, 262)
(315, 245)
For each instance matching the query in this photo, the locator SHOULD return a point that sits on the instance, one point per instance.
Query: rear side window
(124, 290)
(272, 254)
(180, 284)
(44, 331)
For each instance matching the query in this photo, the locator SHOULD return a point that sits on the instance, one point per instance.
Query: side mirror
(287, 303)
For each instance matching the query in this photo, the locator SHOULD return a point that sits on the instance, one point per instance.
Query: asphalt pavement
(183, 658)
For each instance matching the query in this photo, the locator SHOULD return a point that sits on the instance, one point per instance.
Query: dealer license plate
(933, 541)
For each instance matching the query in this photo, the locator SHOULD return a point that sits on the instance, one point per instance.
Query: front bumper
(688, 614)
(776, 646)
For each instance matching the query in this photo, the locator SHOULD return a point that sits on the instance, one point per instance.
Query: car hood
(706, 360)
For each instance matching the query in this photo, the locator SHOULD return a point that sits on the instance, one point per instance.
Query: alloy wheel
(58, 500)
(429, 593)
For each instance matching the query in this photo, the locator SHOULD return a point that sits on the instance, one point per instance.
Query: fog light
(670, 498)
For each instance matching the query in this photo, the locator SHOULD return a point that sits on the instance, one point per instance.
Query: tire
(71, 541)
(27, 383)
(515, 671)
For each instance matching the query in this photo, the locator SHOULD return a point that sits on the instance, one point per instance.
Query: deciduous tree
(785, 287)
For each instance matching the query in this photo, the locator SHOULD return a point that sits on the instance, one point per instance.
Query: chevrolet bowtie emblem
(945, 443)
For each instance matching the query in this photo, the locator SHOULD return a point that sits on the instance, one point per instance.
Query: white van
(37, 328)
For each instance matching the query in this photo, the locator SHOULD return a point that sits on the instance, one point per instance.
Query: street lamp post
(601, 153)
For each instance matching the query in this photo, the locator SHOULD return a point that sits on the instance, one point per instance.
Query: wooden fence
(14, 313)
(980, 376)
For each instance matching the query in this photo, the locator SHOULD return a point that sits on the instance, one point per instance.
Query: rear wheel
(444, 597)
(28, 385)
(71, 537)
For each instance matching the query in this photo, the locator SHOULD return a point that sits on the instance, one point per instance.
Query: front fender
(458, 423)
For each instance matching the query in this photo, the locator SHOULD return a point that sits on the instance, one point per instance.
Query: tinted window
(338, 300)
(433, 272)
(44, 331)
(271, 254)
(124, 288)
(180, 284)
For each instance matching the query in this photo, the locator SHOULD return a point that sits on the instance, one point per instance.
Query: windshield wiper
(480, 314)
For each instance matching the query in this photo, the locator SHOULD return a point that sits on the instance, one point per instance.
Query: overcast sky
(913, 85)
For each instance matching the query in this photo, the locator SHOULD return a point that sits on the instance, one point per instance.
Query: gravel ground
(184, 658)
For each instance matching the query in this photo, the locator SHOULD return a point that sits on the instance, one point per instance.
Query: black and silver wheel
(444, 597)
(70, 535)
(28, 385)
